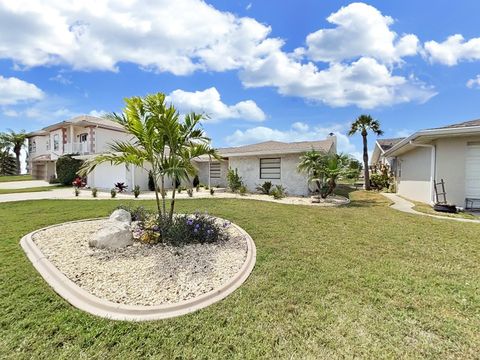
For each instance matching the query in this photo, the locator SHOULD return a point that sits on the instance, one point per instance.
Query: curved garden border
(85, 301)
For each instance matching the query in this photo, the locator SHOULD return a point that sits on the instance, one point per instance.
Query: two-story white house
(83, 135)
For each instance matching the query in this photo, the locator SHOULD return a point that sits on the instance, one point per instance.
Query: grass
(26, 190)
(362, 281)
(15, 178)
(427, 209)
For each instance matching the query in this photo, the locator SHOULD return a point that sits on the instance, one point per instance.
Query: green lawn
(362, 281)
(15, 178)
(26, 190)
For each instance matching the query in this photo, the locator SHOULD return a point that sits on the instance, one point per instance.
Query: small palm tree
(16, 141)
(362, 125)
(323, 169)
(161, 143)
(7, 161)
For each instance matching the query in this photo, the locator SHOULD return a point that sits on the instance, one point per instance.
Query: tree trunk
(172, 204)
(164, 206)
(366, 172)
(17, 158)
(155, 185)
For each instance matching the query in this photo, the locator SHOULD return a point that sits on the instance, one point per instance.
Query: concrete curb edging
(85, 301)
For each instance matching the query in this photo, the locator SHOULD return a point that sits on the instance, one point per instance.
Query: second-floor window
(83, 138)
(56, 142)
(34, 146)
(48, 144)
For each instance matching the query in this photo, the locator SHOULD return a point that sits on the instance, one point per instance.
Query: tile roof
(386, 144)
(83, 120)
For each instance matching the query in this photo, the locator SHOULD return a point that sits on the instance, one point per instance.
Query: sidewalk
(401, 204)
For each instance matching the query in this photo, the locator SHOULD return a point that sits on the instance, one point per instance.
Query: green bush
(113, 193)
(94, 192)
(242, 190)
(234, 180)
(67, 168)
(190, 192)
(379, 181)
(181, 230)
(278, 192)
(212, 191)
(265, 188)
(136, 191)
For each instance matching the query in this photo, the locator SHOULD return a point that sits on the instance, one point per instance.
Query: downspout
(433, 161)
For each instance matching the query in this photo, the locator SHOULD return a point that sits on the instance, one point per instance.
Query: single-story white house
(88, 136)
(451, 153)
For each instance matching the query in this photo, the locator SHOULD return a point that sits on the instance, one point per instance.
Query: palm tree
(362, 125)
(323, 169)
(16, 141)
(161, 144)
(7, 161)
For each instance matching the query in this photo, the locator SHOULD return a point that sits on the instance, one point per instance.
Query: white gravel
(141, 274)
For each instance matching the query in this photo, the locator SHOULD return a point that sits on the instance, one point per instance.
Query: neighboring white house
(451, 153)
(89, 136)
(381, 146)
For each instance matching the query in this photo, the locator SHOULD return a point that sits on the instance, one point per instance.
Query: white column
(71, 139)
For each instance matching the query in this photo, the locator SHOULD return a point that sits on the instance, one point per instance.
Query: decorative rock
(112, 235)
(122, 216)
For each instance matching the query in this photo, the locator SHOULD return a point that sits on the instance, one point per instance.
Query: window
(270, 168)
(83, 138)
(399, 168)
(56, 142)
(48, 144)
(215, 170)
(34, 146)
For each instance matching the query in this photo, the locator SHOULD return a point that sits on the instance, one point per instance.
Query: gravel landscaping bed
(141, 274)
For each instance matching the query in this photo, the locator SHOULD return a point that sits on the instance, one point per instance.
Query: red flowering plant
(79, 182)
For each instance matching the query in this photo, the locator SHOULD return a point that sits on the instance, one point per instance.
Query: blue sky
(262, 70)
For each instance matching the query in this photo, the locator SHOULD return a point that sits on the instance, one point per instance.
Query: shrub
(242, 190)
(234, 180)
(190, 192)
(67, 168)
(113, 193)
(181, 230)
(265, 188)
(94, 192)
(278, 192)
(379, 181)
(212, 191)
(77, 191)
(196, 182)
(136, 191)
(138, 213)
(120, 187)
(151, 183)
(78, 182)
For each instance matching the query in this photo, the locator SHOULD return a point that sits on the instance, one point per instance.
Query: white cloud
(364, 83)
(62, 79)
(97, 113)
(176, 36)
(13, 91)
(453, 50)
(10, 113)
(298, 132)
(474, 83)
(361, 30)
(209, 102)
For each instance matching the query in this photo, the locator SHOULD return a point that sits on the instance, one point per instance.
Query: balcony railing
(81, 148)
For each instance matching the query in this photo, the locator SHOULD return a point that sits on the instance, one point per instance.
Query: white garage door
(472, 171)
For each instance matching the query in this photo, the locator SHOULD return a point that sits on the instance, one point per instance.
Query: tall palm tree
(16, 141)
(161, 143)
(362, 125)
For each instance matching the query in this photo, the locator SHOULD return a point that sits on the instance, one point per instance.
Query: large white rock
(113, 235)
(121, 215)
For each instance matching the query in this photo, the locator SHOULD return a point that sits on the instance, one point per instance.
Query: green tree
(362, 125)
(161, 143)
(323, 169)
(7, 160)
(16, 141)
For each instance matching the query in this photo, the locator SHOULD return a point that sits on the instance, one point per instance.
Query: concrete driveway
(23, 184)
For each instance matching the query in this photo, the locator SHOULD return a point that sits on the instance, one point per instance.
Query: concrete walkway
(401, 204)
(23, 184)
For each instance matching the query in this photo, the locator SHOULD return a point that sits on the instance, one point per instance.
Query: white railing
(81, 148)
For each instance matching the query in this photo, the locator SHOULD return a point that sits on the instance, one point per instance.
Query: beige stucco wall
(105, 137)
(249, 169)
(414, 182)
(450, 166)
